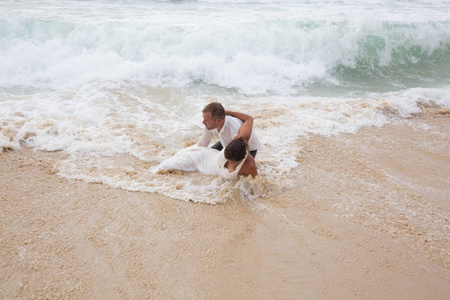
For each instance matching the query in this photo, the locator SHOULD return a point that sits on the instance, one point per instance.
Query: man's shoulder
(231, 118)
(231, 121)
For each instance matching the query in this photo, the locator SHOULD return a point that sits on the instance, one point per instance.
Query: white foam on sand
(98, 130)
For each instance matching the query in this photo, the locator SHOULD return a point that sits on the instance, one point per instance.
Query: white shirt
(228, 132)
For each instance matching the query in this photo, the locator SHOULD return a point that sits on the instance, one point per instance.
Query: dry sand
(368, 219)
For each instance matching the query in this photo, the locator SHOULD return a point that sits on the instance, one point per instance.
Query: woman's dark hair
(236, 150)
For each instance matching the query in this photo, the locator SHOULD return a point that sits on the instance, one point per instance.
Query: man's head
(236, 150)
(213, 116)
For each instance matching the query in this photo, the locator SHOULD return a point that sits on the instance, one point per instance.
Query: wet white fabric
(224, 172)
(228, 132)
(206, 160)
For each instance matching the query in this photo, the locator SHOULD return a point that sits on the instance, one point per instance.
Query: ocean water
(118, 86)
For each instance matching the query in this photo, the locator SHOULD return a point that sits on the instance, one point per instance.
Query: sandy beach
(368, 218)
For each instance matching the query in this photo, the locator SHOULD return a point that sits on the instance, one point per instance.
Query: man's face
(208, 121)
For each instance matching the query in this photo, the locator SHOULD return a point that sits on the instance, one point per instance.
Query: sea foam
(267, 51)
(118, 86)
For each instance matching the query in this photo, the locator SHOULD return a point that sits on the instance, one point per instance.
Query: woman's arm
(249, 167)
(246, 128)
(239, 115)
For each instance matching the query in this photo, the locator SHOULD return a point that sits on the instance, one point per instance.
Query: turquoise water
(251, 47)
(102, 79)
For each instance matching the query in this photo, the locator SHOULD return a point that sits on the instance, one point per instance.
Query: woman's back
(224, 172)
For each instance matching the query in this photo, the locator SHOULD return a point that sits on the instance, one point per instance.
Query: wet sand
(368, 218)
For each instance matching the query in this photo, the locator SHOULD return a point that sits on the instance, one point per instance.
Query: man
(224, 125)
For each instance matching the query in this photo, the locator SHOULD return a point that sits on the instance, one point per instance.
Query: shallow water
(119, 85)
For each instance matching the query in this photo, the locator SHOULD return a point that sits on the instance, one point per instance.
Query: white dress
(206, 160)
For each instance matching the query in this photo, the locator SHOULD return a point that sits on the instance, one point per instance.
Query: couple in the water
(232, 156)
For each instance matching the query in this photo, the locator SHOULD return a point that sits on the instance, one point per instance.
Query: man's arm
(205, 138)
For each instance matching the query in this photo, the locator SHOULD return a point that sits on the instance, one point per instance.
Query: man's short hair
(216, 109)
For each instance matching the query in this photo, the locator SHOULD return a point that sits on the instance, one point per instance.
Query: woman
(231, 162)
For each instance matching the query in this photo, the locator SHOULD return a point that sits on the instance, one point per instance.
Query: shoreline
(368, 218)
